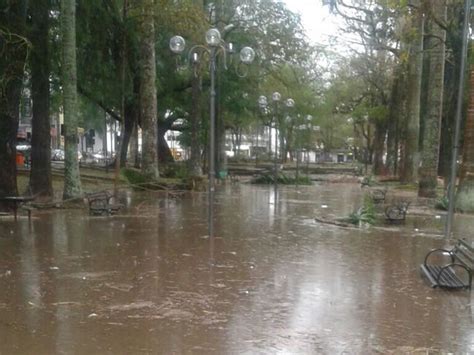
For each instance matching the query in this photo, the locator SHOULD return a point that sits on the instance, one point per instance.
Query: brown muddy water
(271, 281)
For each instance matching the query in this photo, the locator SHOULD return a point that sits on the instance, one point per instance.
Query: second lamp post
(214, 47)
(275, 123)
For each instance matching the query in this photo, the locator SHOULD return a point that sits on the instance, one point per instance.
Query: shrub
(442, 203)
(365, 214)
(282, 179)
(134, 177)
(368, 181)
(174, 170)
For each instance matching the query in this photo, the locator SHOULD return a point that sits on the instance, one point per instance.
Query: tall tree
(40, 175)
(454, 40)
(72, 180)
(409, 172)
(465, 191)
(195, 168)
(148, 104)
(397, 109)
(13, 54)
(435, 86)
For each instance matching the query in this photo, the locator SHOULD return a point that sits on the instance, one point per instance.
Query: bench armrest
(436, 251)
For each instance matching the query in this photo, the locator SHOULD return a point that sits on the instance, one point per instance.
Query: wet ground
(271, 281)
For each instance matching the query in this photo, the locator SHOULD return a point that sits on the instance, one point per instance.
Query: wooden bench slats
(427, 273)
(467, 252)
(457, 275)
(397, 213)
(464, 259)
(464, 253)
(378, 195)
(448, 278)
(100, 203)
(464, 244)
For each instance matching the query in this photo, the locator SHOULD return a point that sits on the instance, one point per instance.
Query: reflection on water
(150, 280)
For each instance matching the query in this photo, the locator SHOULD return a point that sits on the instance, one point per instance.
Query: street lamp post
(262, 104)
(289, 104)
(276, 97)
(300, 127)
(298, 152)
(309, 123)
(215, 46)
(459, 107)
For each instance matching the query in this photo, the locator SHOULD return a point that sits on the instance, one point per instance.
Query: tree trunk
(239, 140)
(164, 152)
(130, 118)
(12, 61)
(72, 180)
(289, 144)
(148, 89)
(281, 143)
(133, 150)
(221, 162)
(454, 42)
(221, 155)
(415, 65)
(396, 114)
(40, 175)
(465, 192)
(431, 135)
(447, 124)
(132, 115)
(194, 163)
(233, 136)
(379, 148)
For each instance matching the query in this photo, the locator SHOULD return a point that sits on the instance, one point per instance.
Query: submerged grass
(282, 179)
(442, 203)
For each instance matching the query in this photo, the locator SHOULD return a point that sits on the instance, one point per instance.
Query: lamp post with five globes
(214, 47)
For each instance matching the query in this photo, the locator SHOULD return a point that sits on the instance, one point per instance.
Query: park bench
(397, 213)
(14, 202)
(378, 195)
(366, 181)
(101, 203)
(453, 274)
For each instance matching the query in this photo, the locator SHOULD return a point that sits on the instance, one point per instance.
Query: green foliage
(368, 181)
(442, 203)
(134, 177)
(277, 33)
(378, 113)
(100, 31)
(335, 112)
(304, 180)
(11, 44)
(174, 170)
(139, 181)
(90, 115)
(365, 214)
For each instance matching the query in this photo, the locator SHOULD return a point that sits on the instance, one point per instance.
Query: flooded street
(271, 281)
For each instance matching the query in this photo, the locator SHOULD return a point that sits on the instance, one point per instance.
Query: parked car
(58, 155)
(23, 149)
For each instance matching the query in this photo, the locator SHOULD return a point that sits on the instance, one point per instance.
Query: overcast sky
(319, 24)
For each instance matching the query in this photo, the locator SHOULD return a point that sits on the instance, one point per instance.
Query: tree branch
(99, 103)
